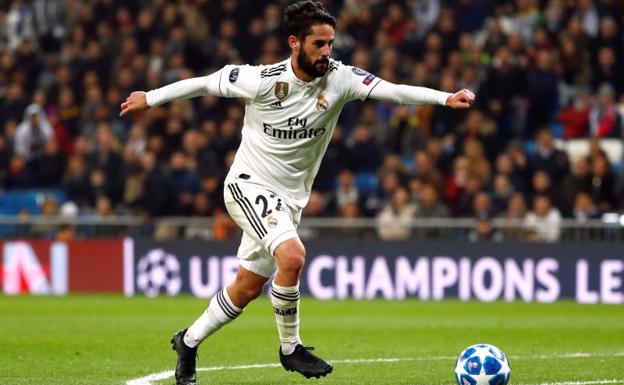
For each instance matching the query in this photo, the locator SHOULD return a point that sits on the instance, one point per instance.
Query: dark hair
(300, 16)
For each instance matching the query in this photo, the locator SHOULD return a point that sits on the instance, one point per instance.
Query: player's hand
(137, 101)
(460, 99)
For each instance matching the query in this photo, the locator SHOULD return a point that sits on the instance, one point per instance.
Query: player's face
(313, 57)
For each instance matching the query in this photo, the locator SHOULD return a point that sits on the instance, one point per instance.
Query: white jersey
(288, 122)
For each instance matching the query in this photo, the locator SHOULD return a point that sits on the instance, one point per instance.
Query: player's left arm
(406, 94)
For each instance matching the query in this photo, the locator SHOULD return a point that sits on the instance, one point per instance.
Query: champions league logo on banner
(158, 272)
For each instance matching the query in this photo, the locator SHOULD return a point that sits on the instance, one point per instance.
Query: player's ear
(294, 43)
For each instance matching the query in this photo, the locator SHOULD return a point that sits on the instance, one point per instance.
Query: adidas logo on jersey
(276, 105)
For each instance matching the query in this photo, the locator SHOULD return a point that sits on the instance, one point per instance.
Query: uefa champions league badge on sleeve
(234, 74)
(358, 71)
(368, 79)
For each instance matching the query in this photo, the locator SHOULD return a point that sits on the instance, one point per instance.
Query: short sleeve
(358, 82)
(240, 81)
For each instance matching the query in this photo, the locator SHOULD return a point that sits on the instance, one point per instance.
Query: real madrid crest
(281, 90)
(321, 103)
(271, 221)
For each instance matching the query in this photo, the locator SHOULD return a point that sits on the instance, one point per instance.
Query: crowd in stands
(542, 70)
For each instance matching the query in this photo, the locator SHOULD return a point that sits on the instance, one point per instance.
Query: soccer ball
(482, 364)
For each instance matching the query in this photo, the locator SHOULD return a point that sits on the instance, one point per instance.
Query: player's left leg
(290, 257)
(224, 307)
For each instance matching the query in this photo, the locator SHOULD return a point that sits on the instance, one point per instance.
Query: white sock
(221, 311)
(285, 302)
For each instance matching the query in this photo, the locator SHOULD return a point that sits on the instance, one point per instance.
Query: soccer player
(291, 110)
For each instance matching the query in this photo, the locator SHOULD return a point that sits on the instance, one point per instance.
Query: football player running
(291, 111)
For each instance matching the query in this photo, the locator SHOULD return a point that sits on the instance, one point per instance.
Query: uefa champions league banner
(338, 269)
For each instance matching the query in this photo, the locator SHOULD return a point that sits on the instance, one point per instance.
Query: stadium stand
(546, 132)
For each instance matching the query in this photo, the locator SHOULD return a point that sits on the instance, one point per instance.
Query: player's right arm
(230, 81)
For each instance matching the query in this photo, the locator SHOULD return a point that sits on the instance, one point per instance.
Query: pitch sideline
(147, 380)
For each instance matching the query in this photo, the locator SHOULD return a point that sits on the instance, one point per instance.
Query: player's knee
(293, 262)
(291, 256)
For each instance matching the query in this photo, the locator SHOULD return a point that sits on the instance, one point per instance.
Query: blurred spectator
(498, 101)
(602, 183)
(484, 231)
(65, 233)
(478, 126)
(429, 205)
(516, 207)
(50, 166)
(32, 133)
(365, 154)
(584, 208)
(426, 13)
(478, 164)
(393, 220)
(464, 206)
(76, 181)
(575, 67)
(575, 117)
(543, 92)
(607, 71)
(347, 192)
(541, 184)
(107, 158)
(50, 18)
(20, 23)
(587, 12)
(505, 166)
(155, 180)
(604, 120)
(547, 158)
(69, 111)
(503, 191)
(14, 100)
(426, 170)
(18, 175)
(577, 181)
(185, 182)
(49, 209)
(456, 182)
(404, 135)
(543, 222)
(482, 205)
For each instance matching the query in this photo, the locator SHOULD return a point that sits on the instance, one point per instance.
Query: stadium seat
(366, 182)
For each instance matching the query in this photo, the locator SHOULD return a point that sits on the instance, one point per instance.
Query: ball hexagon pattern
(482, 364)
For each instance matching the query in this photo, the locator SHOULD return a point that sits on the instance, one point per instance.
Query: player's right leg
(294, 357)
(272, 225)
(224, 307)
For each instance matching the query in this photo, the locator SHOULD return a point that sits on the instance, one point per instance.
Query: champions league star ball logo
(158, 271)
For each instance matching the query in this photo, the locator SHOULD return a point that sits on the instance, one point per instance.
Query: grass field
(111, 340)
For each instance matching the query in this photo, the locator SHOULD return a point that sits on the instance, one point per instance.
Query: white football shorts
(266, 222)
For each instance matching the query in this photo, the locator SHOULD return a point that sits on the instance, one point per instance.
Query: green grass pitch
(111, 339)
